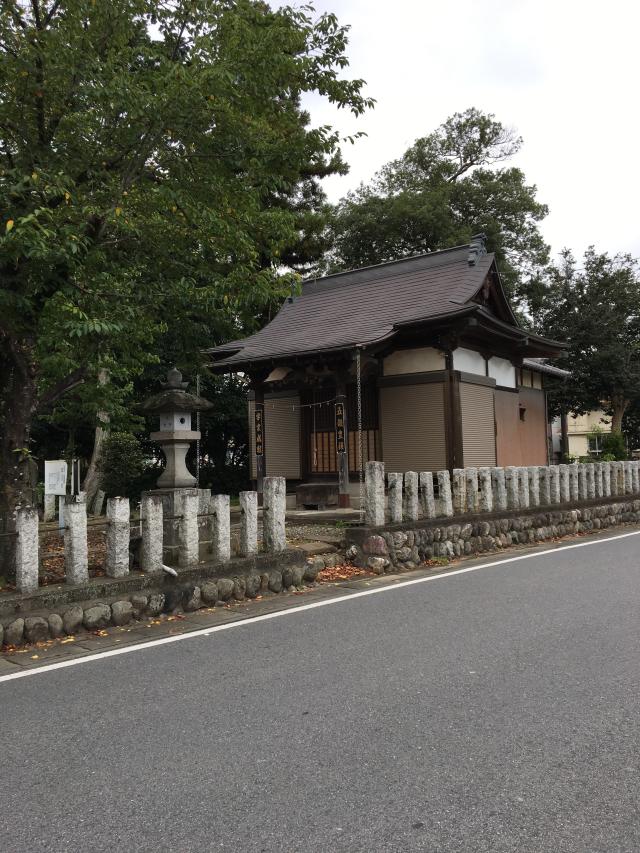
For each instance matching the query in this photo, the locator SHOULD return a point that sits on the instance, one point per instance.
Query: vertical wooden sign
(259, 432)
(340, 429)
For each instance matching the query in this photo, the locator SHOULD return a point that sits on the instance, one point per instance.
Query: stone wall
(49, 613)
(403, 546)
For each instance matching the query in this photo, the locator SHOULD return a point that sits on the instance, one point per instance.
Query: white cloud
(563, 73)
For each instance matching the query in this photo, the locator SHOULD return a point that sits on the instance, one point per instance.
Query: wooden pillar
(342, 444)
(564, 439)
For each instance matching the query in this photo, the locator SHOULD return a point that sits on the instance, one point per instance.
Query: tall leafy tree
(596, 309)
(144, 147)
(447, 187)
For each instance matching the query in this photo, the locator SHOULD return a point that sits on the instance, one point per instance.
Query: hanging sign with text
(259, 432)
(340, 431)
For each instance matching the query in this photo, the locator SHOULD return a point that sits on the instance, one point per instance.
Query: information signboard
(55, 477)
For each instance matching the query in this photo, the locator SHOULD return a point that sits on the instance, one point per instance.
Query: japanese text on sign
(259, 432)
(340, 428)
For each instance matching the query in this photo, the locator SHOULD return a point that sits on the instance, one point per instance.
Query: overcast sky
(564, 74)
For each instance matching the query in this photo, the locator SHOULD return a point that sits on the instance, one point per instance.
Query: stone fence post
(188, 535)
(27, 549)
(151, 513)
(597, 479)
(248, 523)
(534, 485)
(635, 472)
(485, 502)
(76, 557)
(512, 480)
(582, 481)
(118, 535)
(544, 485)
(49, 511)
(444, 493)
(411, 495)
(499, 486)
(427, 498)
(574, 482)
(554, 484)
(273, 514)
(605, 476)
(459, 489)
(591, 480)
(628, 478)
(471, 489)
(565, 484)
(394, 484)
(220, 507)
(374, 494)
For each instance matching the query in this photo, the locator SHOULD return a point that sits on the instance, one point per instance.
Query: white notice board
(55, 477)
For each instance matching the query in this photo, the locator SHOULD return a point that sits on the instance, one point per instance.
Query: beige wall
(282, 437)
(587, 423)
(478, 425)
(422, 360)
(412, 427)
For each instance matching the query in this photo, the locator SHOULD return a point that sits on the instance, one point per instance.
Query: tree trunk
(17, 404)
(619, 406)
(91, 482)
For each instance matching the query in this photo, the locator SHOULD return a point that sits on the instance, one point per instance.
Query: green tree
(122, 465)
(144, 146)
(596, 309)
(447, 187)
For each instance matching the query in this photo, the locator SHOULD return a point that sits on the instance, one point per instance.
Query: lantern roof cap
(175, 397)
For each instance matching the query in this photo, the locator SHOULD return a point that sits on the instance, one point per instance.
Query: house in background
(580, 434)
(419, 363)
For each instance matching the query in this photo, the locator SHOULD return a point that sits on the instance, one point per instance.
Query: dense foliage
(596, 309)
(447, 187)
(155, 166)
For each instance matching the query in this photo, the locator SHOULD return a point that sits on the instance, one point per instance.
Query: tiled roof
(364, 306)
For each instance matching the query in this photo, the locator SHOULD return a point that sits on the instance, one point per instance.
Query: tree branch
(61, 388)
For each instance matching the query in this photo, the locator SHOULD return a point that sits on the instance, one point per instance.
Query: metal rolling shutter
(478, 425)
(412, 422)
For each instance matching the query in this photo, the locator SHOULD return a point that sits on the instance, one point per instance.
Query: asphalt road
(490, 711)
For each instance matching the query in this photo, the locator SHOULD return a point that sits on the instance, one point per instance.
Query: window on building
(595, 445)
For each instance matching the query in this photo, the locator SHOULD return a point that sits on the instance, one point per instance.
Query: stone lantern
(174, 406)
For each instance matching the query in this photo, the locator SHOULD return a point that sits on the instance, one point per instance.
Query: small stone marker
(98, 502)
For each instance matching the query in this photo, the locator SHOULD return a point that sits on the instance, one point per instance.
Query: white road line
(205, 632)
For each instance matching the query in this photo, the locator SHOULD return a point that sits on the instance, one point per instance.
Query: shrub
(613, 444)
(122, 466)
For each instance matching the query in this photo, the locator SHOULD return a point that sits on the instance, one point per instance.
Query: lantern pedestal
(175, 445)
